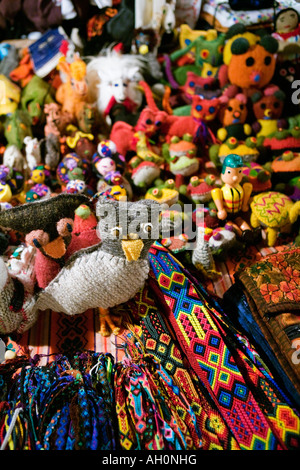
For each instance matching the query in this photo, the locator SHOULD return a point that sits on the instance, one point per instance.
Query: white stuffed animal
(13, 158)
(33, 153)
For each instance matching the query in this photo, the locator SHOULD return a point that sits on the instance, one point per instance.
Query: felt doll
(267, 107)
(233, 116)
(72, 93)
(287, 33)
(47, 225)
(203, 113)
(232, 199)
(252, 67)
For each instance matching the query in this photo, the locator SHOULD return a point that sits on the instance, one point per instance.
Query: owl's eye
(116, 232)
(147, 227)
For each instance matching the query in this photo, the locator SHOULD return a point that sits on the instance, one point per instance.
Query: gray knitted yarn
(98, 279)
(202, 254)
(11, 321)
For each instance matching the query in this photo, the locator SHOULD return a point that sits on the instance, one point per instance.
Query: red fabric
(295, 32)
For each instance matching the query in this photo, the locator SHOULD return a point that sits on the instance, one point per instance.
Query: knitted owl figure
(101, 276)
(111, 272)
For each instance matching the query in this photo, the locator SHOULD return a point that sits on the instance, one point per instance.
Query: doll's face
(287, 21)
(234, 113)
(269, 107)
(232, 176)
(105, 165)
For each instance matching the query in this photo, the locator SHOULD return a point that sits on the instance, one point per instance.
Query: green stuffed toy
(34, 96)
(16, 127)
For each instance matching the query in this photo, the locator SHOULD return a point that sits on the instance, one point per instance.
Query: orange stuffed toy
(252, 67)
(233, 116)
(73, 93)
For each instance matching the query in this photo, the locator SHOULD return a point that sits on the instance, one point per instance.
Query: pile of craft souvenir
(157, 123)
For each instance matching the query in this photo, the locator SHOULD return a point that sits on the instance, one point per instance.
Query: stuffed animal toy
(221, 241)
(203, 113)
(10, 94)
(102, 276)
(164, 193)
(267, 107)
(34, 96)
(32, 152)
(233, 116)
(287, 33)
(248, 150)
(74, 91)
(273, 213)
(144, 172)
(56, 120)
(151, 121)
(199, 189)
(113, 80)
(14, 158)
(145, 44)
(181, 155)
(237, 31)
(12, 184)
(232, 199)
(285, 166)
(206, 49)
(47, 226)
(16, 127)
(252, 67)
(258, 176)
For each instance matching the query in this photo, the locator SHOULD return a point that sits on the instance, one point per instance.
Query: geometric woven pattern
(257, 422)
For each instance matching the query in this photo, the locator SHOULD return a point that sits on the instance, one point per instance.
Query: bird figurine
(106, 274)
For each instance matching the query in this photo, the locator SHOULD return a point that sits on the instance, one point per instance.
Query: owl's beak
(132, 248)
